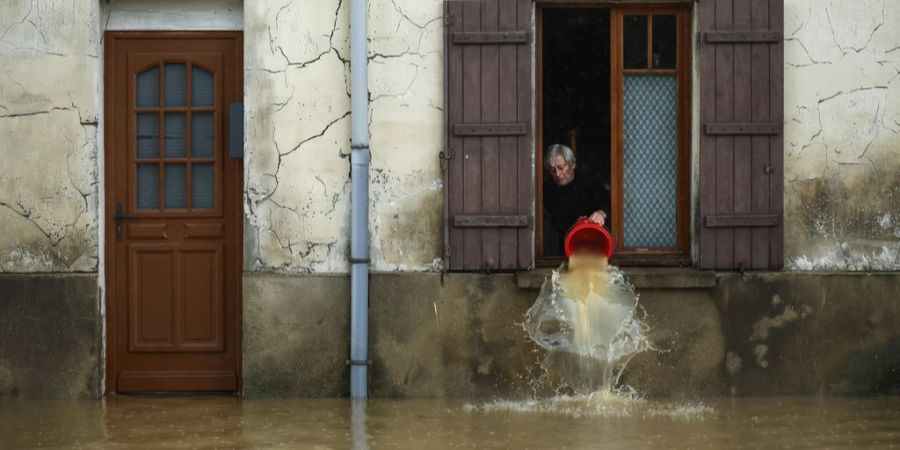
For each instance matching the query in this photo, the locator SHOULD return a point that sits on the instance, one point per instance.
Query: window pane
(202, 135)
(148, 88)
(175, 135)
(635, 42)
(148, 135)
(148, 186)
(664, 39)
(203, 186)
(650, 161)
(175, 186)
(201, 87)
(175, 85)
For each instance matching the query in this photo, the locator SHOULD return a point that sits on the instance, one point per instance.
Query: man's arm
(598, 217)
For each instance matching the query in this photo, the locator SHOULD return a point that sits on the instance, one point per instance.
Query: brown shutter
(488, 160)
(741, 136)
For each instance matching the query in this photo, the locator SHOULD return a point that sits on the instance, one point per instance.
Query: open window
(613, 85)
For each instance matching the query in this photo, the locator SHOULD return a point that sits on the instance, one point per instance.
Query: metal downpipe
(359, 202)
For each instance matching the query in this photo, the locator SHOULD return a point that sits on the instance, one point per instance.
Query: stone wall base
(50, 334)
(460, 335)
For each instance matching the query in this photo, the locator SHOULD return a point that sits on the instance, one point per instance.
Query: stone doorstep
(640, 277)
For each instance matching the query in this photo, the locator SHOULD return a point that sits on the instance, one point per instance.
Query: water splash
(598, 404)
(588, 309)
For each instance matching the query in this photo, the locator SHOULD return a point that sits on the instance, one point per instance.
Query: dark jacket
(565, 204)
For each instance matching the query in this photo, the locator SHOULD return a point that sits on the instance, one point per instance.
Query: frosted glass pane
(175, 84)
(148, 88)
(176, 185)
(148, 186)
(202, 135)
(203, 189)
(175, 135)
(201, 87)
(650, 161)
(147, 135)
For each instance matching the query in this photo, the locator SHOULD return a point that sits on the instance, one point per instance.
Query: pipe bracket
(359, 362)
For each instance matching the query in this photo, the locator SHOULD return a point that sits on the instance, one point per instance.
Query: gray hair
(558, 149)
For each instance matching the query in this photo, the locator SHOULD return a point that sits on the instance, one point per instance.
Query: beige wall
(298, 127)
(842, 147)
(49, 102)
(842, 119)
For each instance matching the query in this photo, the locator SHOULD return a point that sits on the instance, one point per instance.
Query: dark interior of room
(575, 95)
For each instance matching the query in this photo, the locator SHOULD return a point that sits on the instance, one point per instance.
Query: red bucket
(590, 237)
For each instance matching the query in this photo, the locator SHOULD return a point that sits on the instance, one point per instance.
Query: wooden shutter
(488, 160)
(741, 136)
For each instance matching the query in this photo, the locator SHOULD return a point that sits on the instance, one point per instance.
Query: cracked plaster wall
(842, 147)
(49, 78)
(842, 105)
(297, 111)
(842, 102)
(174, 15)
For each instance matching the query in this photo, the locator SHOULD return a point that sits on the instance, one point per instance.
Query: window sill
(640, 277)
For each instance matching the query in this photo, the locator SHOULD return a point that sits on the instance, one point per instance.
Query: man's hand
(598, 217)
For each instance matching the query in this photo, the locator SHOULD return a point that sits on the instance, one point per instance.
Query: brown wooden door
(173, 212)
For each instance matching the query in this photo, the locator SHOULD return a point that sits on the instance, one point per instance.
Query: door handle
(120, 215)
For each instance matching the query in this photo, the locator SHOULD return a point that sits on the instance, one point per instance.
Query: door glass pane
(202, 135)
(148, 88)
(201, 87)
(148, 186)
(175, 84)
(203, 186)
(664, 37)
(175, 135)
(650, 161)
(147, 135)
(176, 185)
(635, 42)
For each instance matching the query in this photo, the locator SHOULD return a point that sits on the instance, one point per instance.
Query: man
(569, 196)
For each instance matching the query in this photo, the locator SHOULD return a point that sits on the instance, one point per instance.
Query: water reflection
(358, 424)
(560, 422)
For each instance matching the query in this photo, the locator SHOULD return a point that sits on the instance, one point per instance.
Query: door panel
(150, 300)
(173, 213)
(176, 300)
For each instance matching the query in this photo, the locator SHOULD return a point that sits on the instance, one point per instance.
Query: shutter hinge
(449, 20)
(444, 156)
(447, 250)
(697, 42)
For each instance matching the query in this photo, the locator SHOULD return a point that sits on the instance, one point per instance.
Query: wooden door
(173, 203)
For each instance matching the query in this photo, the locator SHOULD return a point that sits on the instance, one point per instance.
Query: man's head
(560, 162)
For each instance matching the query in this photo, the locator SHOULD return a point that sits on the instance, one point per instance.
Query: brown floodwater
(603, 421)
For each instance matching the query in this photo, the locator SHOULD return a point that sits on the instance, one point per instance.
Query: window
(614, 87)
(613, 83)
(175, 158)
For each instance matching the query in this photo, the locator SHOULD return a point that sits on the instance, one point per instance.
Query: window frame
(210, 63)
(675, 256)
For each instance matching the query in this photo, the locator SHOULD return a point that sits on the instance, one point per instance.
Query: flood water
(614, 423)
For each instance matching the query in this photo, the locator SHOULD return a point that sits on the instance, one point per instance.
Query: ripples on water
(598, 421)
(597, 404)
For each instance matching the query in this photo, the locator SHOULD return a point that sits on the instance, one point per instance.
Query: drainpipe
(359, 201)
